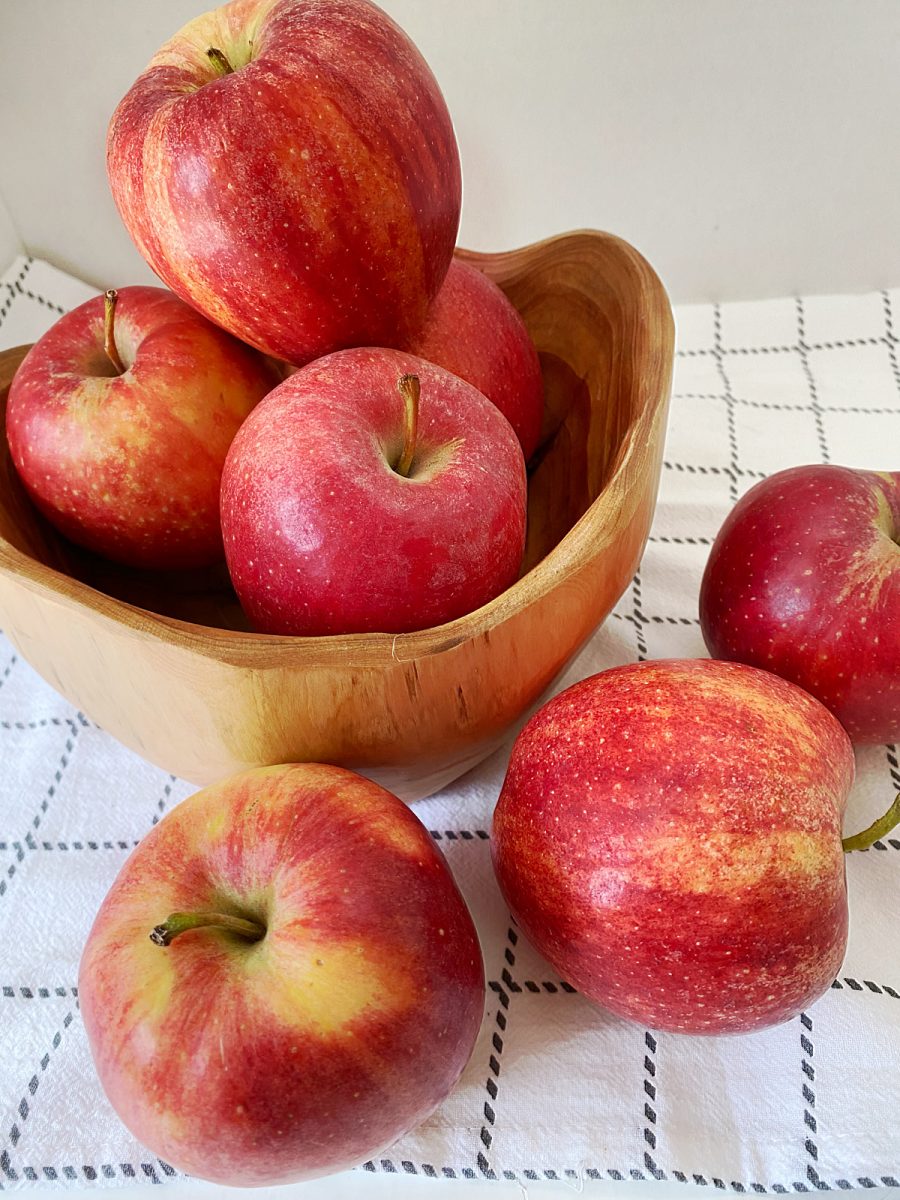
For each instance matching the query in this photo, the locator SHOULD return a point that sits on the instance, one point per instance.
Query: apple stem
(219, 61)
(180, 922)
(408, 386)
(878, 829)
(109, 330)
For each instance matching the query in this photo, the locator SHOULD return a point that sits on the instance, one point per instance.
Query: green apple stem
(109, 330)
(878, 829)
(180, 922)
(408, 386)
(219, 61)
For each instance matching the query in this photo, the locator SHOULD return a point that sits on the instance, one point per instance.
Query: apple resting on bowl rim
(166, 664)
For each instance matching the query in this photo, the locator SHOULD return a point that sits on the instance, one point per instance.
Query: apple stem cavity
(109, 330)
(878, 829)
(219, 61)
(181, 922)
(408, 386)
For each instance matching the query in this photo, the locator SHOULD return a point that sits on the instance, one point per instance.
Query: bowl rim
(568, 556)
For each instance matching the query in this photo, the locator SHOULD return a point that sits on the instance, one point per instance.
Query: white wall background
(10, 245)
(747, 148)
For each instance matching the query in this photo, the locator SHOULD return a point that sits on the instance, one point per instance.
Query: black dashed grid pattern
(653, 619)
(803, 351)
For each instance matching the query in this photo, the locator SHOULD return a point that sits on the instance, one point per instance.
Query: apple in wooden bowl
(167, 664)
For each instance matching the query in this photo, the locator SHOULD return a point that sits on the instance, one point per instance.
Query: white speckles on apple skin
(129, 465)
(299, 254)
(358, 547)
(344, 1028)
(715, 855)
(816, 548)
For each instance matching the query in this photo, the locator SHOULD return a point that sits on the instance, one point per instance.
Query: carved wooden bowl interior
(168, 664)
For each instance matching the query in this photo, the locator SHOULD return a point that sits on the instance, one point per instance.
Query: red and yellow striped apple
(289, 168)
(283, 978)
(669, 837)
(350, 504)
(119, 420)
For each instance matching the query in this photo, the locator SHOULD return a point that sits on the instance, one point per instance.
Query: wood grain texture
(167, 664)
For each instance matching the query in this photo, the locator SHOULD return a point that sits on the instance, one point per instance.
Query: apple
(372, 491)
(804, 580)
(289, 168)
(668, 836)
(283, 978)
(119, 420)
(474, 331)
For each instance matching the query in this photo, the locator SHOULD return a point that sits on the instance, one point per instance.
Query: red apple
(119, 420)
(804, 580)
(311, 989)
(290, 169)
(346, 510)
(669, 837)
(474, 331)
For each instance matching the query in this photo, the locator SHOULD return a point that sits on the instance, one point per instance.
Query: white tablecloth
(555, 1088)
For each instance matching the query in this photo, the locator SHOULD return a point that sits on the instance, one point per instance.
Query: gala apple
(804, 580)
(283, 978)
(289, 168)
(372, 491)
(669, 837)
(119, 420)
(474, 331)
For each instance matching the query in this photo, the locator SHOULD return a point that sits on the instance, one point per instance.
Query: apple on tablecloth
(669, 837)
(372, 491)
(290, 169)
(119, 420)
(283, 978)
(804, 580)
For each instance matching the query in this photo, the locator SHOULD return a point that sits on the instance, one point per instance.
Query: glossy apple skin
(669, 837)
(474, 331)
(804, 580)
(129, 465)
(322, 536)
(306, 202)
(313, 1049)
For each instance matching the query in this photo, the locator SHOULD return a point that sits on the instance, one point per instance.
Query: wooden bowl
(167, 664)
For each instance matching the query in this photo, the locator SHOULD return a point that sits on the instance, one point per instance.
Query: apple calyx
(878, 829)
(219, 60)
(409, 389)
(180, 922)
(109, 330)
